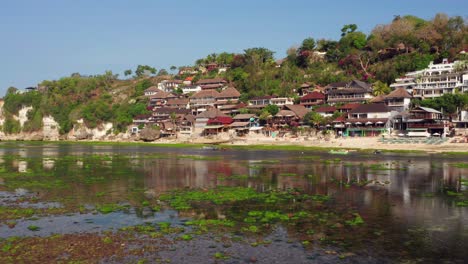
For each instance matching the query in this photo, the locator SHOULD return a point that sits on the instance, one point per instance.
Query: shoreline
(358, 144)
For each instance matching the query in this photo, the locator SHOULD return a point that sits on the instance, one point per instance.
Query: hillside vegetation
(408, 43)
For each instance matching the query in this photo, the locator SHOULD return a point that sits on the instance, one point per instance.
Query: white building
(169, 85)
(191, 89)
(280, 101)
(434, 81)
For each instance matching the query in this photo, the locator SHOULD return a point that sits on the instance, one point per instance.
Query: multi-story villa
(434, 81)
(352, 92)
(280, 101)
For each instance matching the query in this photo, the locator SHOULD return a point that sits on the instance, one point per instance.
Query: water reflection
(405, 193)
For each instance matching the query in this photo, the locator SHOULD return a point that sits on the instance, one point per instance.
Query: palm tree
(380, 88)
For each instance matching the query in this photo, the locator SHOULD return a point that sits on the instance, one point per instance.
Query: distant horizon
(48, 40)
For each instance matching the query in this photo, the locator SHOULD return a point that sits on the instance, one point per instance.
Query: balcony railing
(425, 125)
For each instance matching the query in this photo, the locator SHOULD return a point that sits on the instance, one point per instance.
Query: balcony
(427, 125)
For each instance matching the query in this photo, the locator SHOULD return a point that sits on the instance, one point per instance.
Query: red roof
(339, 119)
(326, 109)
(189, 78)
(224, 120)
(350, 106)
(313, 95)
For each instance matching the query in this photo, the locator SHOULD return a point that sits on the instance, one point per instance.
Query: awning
(358, 123)
(213, 127)
(239, 124)
(379, 123)
(369, 123)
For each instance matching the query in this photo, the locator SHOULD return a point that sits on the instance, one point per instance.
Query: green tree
(313, 119)
(349, 28)
(12, 90)
(271, 109)
(380, 88)
(258, 55)
(144, 70)
(128, 72)
(163, 72)
(308, 44)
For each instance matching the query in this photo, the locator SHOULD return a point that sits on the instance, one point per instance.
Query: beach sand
(353, 143)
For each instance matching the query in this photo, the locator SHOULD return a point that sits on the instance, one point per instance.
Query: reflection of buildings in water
(168, 174)
(22, 166)
(48, 164)
(453, 175)
(50, 151)
(23, 152)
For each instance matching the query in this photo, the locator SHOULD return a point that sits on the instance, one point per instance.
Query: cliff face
(50, 130)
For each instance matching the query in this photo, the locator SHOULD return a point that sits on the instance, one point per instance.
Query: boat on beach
(339, 151)
(210, 147)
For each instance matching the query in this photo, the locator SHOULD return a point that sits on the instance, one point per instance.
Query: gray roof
(430, 110)
(371, 108)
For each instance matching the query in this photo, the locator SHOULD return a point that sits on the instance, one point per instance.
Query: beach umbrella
(379, 122)
(347, 123)
(369, 123)
(358, 123)
(436, 134)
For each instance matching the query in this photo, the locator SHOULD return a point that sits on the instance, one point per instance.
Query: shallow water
(411, 204)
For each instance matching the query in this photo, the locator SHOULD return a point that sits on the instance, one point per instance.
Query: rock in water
(149, 134)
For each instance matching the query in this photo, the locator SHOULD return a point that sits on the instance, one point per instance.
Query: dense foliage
(92, 98)
(406, 44)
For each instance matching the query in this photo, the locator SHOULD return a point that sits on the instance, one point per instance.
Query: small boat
(377, 151)
(210, 148)
(339, 151)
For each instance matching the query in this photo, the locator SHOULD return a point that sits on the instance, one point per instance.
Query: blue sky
(49, 39)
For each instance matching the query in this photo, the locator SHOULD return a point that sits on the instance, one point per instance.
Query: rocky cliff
(50, 130)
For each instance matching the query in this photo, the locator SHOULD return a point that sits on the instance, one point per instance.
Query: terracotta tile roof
(212, 113)
(190, 118)
(263, 97)
(325, 109)
(313, 95)
(178, 101)
(399, 93)
(211, 86)
(229, 92)
(205, 94)
(299, 110)
(354, 84)
(168, 110)
(339, 119)
(211, 81)
(286, 113)
(224, 120)
(239, 124)
(378, 99)
(348, 91)
(371, 108)
(349, 106)
(152, 89)
(162, 95)
(243, 116)
(305, 85)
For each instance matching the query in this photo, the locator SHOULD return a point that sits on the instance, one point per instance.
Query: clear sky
(49, 39)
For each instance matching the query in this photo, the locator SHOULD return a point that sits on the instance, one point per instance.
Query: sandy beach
(353, 143)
